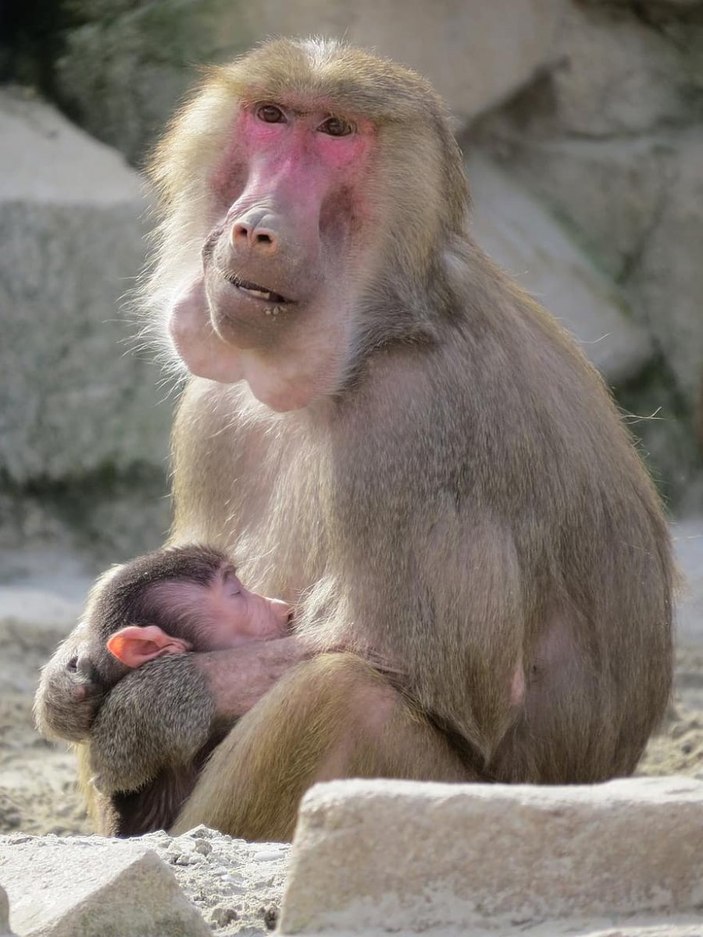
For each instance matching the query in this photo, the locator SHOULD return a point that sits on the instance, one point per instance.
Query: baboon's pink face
(292, 214)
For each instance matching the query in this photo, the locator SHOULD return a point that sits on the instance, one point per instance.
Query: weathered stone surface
(92, 9)
(618, 70)
(669, 275)
(4, 914)
(609, 191)
(72, 399)
(465, 49)
(652, 4)
(518, 232)
(637, 219)
(408, 857)
(93, 888)
(650, 243)
(139, 58)
(687, 535)
(142, 60)
(234, 885)
(617, 75)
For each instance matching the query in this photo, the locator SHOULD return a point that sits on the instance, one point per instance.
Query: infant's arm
(163, 713)
(160, 715)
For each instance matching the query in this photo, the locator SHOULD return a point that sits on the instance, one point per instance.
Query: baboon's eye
(336, 127)
(270, 114)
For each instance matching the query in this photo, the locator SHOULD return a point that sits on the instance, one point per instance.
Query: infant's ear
(135, 645)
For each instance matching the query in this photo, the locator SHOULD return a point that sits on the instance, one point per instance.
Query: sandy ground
(37, 788)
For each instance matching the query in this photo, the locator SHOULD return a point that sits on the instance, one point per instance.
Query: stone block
(4, 914)
(687, 534)
(73, 398)
(476, 53)
(617, 75)
(519, 233)
(582, 180)
(652, 5)
(668, 278)
(93, 888)
(372, 856)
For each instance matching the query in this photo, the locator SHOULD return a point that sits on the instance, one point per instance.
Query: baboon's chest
(280, 513)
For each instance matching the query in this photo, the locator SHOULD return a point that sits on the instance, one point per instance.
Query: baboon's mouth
(256, 291)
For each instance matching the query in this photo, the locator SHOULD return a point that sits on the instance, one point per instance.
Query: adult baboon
(398, 441)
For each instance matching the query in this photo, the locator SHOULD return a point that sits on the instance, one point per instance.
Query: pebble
(221, 916)
(270, 855)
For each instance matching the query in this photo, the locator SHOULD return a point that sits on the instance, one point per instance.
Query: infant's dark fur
(83, 664)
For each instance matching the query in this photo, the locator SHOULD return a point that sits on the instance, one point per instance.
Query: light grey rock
(518, 232)
(93, 888)
(476, 53)
(619, 70)
(42, 586)
(688, 543)
(92, 9)
(612, 141)
(41, 597)
(142, 58)
(4, 914)
(408, 857)
(234, 885)
(19, 603)
(668, 279)
(616, 75)
(670, 926)
(650, 4)
(47, 160)
(609, 191)
(73, 399)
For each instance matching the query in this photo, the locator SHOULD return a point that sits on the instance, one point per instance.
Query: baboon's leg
(332, 717)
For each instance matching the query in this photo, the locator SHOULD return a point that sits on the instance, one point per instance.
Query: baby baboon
(167, 602)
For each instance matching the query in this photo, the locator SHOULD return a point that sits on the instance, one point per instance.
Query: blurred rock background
(582, 122)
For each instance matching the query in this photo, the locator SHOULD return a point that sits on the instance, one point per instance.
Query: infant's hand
(68, 698)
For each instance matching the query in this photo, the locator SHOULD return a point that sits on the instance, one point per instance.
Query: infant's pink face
(234, 615)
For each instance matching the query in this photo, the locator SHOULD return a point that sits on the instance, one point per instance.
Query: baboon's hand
(237, 679)
(68, 697)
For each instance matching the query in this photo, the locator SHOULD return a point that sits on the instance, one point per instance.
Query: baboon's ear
(136, 645)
